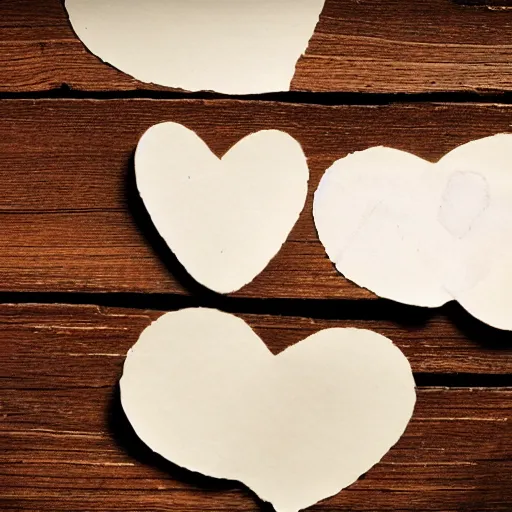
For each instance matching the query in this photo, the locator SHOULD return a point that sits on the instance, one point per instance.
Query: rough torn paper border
(424, 233)
(231, 47)
(202, 389)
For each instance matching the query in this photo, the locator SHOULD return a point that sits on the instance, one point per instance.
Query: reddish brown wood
(67, 446)
(73, 450)
(371, 46)
(71, 219)
(88, 343)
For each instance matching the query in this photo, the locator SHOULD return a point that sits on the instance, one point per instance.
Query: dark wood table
(82, 270)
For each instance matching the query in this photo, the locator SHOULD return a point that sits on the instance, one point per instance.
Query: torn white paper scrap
(201, 389)
(423, 233)
(224, 219)
(228, 46)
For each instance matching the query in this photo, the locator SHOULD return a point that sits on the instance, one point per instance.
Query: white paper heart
(423, 233)
(201, 389)
(229, 46)
(223, 219)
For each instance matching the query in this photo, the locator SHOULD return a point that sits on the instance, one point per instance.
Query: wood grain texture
(71, 219)
(371, 46)
(66, 444)
(88, 343)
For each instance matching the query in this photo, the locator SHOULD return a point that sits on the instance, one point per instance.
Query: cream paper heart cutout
(224, 219)
(201, 389)
(228, 46)
(423, 233)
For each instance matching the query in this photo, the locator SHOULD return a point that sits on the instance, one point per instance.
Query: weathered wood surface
(90, 342)
(359, 46)
(71, 218)
(71, 221)
(66, 445)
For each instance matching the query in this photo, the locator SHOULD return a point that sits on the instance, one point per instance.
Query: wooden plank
(74, 450)
(66, 445)
(57, 346)
(72, 221)
(373, 46)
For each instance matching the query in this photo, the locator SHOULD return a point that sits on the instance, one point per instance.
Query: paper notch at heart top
(201, 389)
(228, 46)
(423, 233)
(224, 219)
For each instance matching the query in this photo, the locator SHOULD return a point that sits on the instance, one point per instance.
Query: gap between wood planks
(305, 98)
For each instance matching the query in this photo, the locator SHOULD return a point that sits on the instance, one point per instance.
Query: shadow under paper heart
(148, 230)
(126, 439)
(476, 330)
